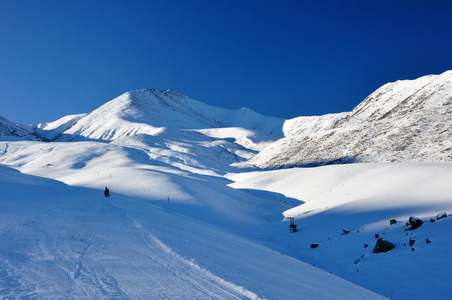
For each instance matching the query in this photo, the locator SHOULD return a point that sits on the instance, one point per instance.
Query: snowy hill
(406, 120)
(67, 242)
(184, 222)
(171, 127)
(344, 208)
(152, 112)
(10, 130)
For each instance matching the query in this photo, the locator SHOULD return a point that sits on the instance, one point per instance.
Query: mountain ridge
(174, 185)
(406, 120)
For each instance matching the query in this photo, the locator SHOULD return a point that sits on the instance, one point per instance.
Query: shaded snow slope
(251, 206)
(59, 241)
(406, 120)
(171, 125)
(13, 131)
(53, 130)
(362, 199)
(184, 222)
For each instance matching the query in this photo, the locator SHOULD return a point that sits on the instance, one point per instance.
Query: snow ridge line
(192, 264)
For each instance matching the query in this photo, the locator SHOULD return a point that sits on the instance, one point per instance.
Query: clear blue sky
(279, 58)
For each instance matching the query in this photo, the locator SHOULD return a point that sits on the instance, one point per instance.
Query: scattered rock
(432, 221)
(356, 261)
(314, 246)
(366, 245)
(392, 221)
(441, 216)
(412, 242)
(428, 241)
(415, 223)
(346, 231)
(412, 249)
(383, 246)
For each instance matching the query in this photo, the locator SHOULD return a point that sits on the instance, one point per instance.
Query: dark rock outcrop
(383, 246)
(441, 216)
(415, 223)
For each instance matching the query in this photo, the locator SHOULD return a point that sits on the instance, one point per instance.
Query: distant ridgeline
(409, 120)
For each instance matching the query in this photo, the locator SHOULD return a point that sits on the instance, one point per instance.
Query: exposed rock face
(383, 246)
(406, 120)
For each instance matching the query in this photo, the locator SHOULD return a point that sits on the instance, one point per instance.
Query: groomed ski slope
(60, 241)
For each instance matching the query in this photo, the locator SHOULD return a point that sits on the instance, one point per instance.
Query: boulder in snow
(383, 246)
(441, 216)
(415, 223)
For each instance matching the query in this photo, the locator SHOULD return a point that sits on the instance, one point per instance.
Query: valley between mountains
(201, 196)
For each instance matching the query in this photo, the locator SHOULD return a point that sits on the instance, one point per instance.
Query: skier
(106, 192)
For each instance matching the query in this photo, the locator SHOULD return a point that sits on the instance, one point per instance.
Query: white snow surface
(183, 223)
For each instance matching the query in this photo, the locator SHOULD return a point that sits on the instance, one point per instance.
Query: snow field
(361, 199)
(188, 219)
(62, 241)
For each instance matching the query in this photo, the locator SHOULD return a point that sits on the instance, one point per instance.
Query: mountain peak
(406, 120)
(150, 111)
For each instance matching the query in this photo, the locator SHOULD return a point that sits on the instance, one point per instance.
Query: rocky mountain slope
(407, 120)
(16, 131)
(192, 220)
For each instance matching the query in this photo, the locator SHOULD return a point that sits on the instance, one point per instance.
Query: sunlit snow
(188, 219)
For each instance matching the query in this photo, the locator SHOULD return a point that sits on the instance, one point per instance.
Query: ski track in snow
(73, 255)
(162, 144)
(190, 273)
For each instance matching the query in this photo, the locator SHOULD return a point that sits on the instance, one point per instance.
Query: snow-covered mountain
(170, 126)
(409, 120)
(15, 131)
(187, 219)
(153, 112)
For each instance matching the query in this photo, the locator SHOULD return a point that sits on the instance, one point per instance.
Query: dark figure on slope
(106, 192)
